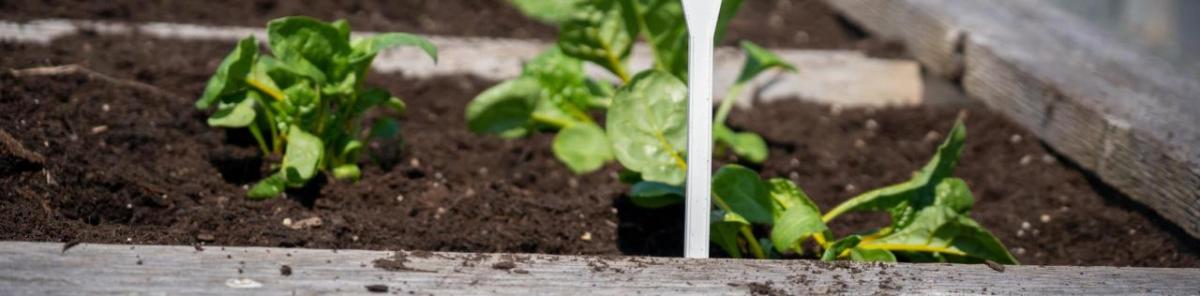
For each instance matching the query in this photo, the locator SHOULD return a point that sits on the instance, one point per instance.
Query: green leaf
(547, 11)
(302, 157)
(666, 29)
(647, 124)
(231, 74)
(396, 104)
(748, 145)
(787, 195)
(563, 84)
(836, 248)
(940, 229)
(653, 195)
(238, 114)
(504, 109)
(759, 59)
(269, 187)
(917, 191)
(599, 33)
(954, 194)
(347, 172)
(864, 255)
(583, 147)
(799, 220)
(370, 46)
(303, 38)
(729, 9)
(724, 227)
(385, 128)
(745, 193)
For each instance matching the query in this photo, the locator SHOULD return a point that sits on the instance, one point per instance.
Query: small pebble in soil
(128, 206)
(1019, 251)
(573, 183)
(871, 125)
(849, 188)
(1026, 159)
(377, 288)
(105, 107)
(287, 222)
(1020, 232)
(205, 237)
(1048, 159)
(99, 129)
(794, 162)
(1132, 231)
(932, 136)
(860, 144)
(483, 171)
(1045, 218)
(1015, 138)
(285, 270)
(835, 110)
(399, 197)
(416, 163)
(587, 236)
(1026, 225)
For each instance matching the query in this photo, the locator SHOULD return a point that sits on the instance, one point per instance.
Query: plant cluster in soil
(98, 160)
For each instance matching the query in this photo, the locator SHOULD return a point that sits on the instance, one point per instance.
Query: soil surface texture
(106, 160)
(772, 23)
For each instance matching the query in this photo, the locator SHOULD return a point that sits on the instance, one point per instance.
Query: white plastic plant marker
(701, 17)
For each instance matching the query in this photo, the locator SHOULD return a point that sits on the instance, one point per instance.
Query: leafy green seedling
(307, 101)
(554, 94)
(930, 216)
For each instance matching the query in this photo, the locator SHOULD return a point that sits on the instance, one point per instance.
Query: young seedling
(307, 101)
(553, 93)
(930, 216)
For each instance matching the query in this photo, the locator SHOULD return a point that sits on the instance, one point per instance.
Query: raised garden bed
(119, 156)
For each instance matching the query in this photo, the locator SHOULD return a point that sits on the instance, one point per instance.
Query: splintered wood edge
(1129, 117)
(38, 268)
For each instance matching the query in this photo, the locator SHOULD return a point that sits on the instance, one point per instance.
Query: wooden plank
(1131, 118)
(33, 268)
(846, 78)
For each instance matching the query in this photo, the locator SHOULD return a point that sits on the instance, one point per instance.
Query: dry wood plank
(34, 268)
(1131, 118)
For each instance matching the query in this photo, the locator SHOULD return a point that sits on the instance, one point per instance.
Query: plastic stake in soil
(701, 17)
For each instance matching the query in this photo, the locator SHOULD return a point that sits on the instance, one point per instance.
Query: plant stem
(619, 68)
(259, 138)
(554, 122)
(911, 248)
(270, 91)
(755, 248)
(727, 103)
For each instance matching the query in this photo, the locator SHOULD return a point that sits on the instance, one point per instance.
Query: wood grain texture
(1129, 117)
(30, 268)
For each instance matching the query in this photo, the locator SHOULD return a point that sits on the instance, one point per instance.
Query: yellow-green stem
(727, 104)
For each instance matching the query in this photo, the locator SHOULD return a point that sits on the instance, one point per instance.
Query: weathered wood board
(847, 78)
(1129, 117)
(31, 268)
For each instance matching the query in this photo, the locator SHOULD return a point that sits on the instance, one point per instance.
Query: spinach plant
(554, 94)
(929, 213)
(307, 101)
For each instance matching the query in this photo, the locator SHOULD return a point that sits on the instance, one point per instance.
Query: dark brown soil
(157, 174)
(772, 23)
